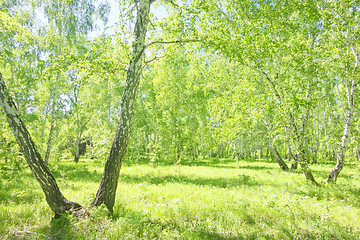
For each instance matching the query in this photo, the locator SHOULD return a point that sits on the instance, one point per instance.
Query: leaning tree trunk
(56, 200)
(294, 163)
(351, 87)
(108, 185)
(295, 133)
(300, 150)
(345, 138)
(277, 157)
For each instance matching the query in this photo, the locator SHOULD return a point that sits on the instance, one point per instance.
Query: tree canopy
(212, 79)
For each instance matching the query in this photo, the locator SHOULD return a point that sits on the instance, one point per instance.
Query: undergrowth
(205, 199)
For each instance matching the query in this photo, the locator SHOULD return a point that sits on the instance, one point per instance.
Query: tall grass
(207, 199)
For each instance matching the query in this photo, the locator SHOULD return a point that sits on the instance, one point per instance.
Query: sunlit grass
(207, 199)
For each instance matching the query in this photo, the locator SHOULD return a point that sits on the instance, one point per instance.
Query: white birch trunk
(108, 185)
(346, 135)
(56, 200)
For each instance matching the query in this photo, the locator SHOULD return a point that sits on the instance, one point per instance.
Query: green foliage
(257, 68)
(228, 95)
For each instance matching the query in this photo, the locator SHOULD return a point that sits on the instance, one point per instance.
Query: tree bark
(300, 150)
(317, 143)
(351, 87)
(108, 185)
(294, 164)
(78, 140)
(56, 200)
(277, 157)
(53, 98)
(295, 133)
(345, 138)
(77, 148)
(49, 142)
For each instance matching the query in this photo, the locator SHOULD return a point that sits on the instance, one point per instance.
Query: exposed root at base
(79, 212)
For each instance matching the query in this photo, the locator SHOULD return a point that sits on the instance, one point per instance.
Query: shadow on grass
(339, 192)
(77, 173)
(143, 226)
(240, 180)
(207, 162)
(20, 197)
(182, 227)
(224, 166)
(325, 174)
(12, 185)
(13, 190)
(61, 228)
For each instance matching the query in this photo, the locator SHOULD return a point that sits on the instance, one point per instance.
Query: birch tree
(277, 42)
(342, 25)
(108, 185)
(56, 200)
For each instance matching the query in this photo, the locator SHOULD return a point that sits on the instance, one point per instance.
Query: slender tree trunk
(77, 148)
(317, 145)
(346, 135)
(195, 151)
(53, 98)
(262, 148)
(285, 153)
(289, 148)
(234, 153)
(108, 185)
(267, 151)
(251, 148)
(294, 164)
(325, 132)
(178, 144)
(331, 151)
(49, 142)
(351, 87)
(56, 200)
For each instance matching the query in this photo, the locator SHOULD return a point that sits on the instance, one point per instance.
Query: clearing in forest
(205, 199)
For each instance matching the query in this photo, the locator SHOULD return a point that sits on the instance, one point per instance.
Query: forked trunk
(300, 151)
(56, 200)
(295, 133)
(108, 185)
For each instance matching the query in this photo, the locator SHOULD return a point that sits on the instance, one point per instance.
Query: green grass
(207, 199)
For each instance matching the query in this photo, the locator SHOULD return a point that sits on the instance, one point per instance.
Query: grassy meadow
(204, 199)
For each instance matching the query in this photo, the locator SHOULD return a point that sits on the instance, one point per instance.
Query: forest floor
(205, 199)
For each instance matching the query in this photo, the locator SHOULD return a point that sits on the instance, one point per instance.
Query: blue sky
(158, 10)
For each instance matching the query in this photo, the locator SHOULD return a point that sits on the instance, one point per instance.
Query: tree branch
(173, 42)
(153, 59)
